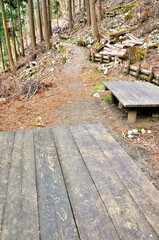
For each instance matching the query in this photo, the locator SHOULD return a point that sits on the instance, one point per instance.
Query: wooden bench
(73, 183)
(132, 95)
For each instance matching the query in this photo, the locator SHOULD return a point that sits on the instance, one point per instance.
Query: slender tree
(40, 22)
(49, 17)
(7, 36)
(93, 20)
(2, 58)
(79, 5)
(31, 23)
(73, 8)
(20, 29)
(88, 13)
(46, 27)
(70, 15)
(13, 33)
(99, 11)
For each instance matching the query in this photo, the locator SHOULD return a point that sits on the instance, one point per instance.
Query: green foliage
(56, 6)
(129, 16)
(97, 88)
(107, 99)
(128, 8)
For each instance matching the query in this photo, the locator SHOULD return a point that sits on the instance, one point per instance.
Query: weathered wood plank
(123, 96)
(30, 218)
(56, 219)
(148, 89)
(138, 95)
(12, 223)
(21, 215)
(91, 216)
(144, 193)
(127, 217)
(6, 145)
(130, 95)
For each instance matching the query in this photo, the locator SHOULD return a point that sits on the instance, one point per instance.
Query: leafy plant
(107, 99)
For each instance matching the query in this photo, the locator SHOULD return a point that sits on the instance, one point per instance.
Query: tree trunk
(84, 5)
(49, 17)
(13, 33)
(46, 27)
(40, 22)
(88, 13)
(7, 36)
(94, 21)
(73, 8)
(99, 11)
(79, 5)
(20, 28)
(2, 58)
(31, 23)
(70, 15)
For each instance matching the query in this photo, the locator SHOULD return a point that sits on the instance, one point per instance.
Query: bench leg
(132, 114)
(113, 99)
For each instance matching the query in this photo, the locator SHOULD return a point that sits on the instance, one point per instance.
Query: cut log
(115, 53)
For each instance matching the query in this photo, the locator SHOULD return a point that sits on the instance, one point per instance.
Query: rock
(149, 131)
(143, 131)
(3, 100)
(138, 139)
(33, 63)
(135, 131)
(130, 136)
(106, 71)
(130, 132)
(96, 95)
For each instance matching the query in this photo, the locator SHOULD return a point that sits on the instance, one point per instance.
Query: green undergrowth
(97, 88)
(107, 99)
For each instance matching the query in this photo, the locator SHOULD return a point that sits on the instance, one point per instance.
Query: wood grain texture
(20, 216)
(129, 221)
(143, 192)
(134, 94)
(56, 219)
(91, 216)
(6, 146)
(12, 223)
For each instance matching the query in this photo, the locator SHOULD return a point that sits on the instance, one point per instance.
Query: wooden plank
(12, 223)
(91, 216)
(144, 193)
(6, 146)
(127, 217)
(21, 215)
(148, 89)
(138, 93)
(56, 219)
(135, 94)
(30, 218)
(123, 96)
(130, 96)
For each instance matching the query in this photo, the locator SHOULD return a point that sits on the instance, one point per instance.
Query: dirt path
(70, 102)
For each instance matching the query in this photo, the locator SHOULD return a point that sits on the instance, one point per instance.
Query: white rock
(130, 132)
(3, 100)
(130, 136)
(143, 131)
(138, 139)
(106, 71)
(149, 131)
(135, 131)
(96, 95)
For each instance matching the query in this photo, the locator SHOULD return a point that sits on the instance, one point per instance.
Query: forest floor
(70, 101)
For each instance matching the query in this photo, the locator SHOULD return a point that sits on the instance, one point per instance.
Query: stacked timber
(141, 73)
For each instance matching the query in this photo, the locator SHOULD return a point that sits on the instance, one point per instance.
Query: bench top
(134, 94)
(72, 183)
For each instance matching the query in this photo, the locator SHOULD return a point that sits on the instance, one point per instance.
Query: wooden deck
(133, 95)
(70, 183)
